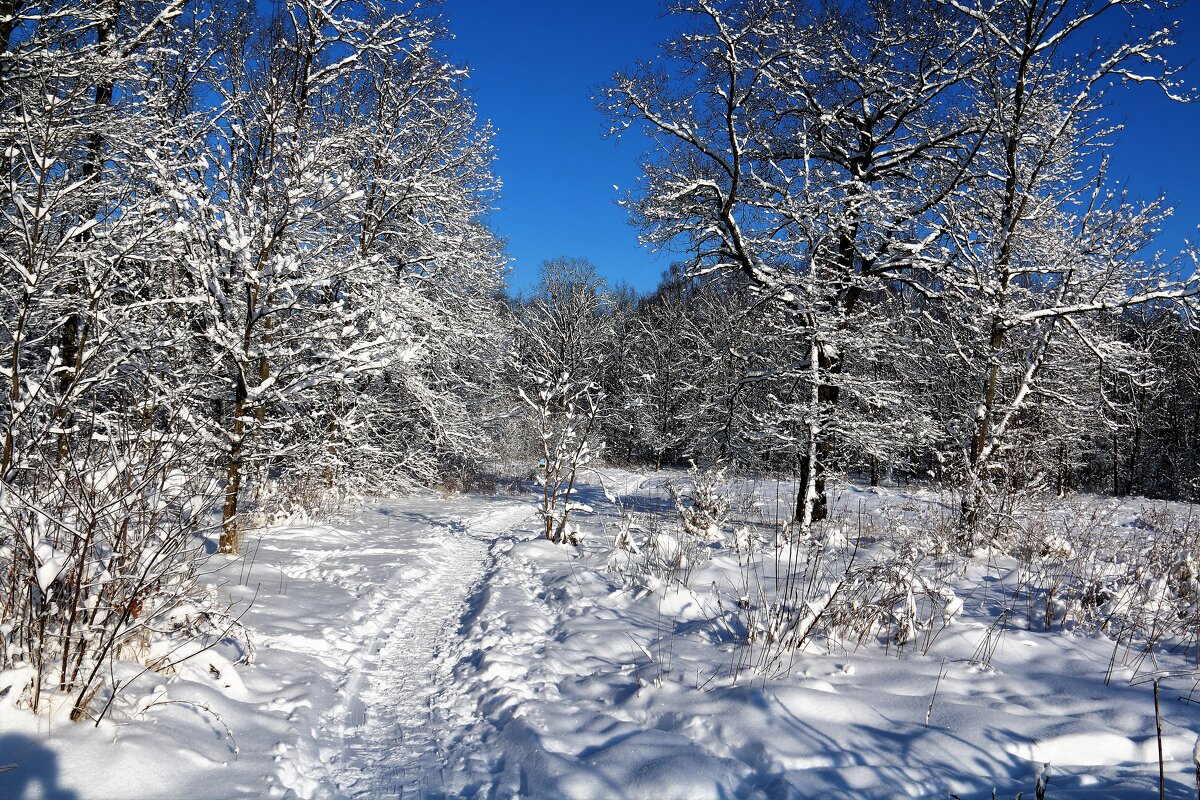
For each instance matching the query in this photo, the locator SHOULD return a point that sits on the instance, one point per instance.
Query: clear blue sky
(534, 66)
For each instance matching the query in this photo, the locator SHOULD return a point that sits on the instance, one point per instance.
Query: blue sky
(535, 65)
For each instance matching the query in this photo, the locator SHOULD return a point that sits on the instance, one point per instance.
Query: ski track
(398, 696)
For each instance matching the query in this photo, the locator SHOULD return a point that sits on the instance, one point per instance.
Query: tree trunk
(1135, 445)
(231, 534)
(1116, 466)
(820, 503)
(981, 447)
(970, 512)
(814, 462)
(331, 436)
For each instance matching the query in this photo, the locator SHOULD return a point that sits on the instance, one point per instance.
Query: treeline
(697, 372)
(901, 251)
(243, 259)
(933, 260)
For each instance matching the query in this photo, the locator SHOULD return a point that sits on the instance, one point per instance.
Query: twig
(929, 711)
(205, 707)
(1162, 777)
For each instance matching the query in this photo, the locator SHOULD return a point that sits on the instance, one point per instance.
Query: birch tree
(1043, 246)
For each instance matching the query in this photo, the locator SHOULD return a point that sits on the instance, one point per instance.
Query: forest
(248, 270)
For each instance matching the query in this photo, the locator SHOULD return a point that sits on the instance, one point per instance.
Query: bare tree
(560, 359)
(805, 147)
(1042, 248)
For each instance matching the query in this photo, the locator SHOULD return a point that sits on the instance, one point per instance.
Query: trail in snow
(397, 704)
(425, 631)
(356, 629)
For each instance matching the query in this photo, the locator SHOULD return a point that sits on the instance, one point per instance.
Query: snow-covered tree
(336, 237)
(663, 364)
(916, 194)
(560, 364)
(234, 244)
(1042, 246)
(98, 522)
(430, 275)
(802, 147)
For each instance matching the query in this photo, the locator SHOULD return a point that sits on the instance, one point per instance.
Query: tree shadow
(34, 770)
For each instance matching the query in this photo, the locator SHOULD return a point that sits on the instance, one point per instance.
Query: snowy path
(373, 605)
(392, 720)
(350, 690)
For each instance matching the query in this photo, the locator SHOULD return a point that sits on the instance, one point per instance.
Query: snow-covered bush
(672, 557)
(1145, 593)
(558, 362)
(896, 599)
(855, 580)
(565, 416)
(669, 549)
(1083, 567)
(703, 507)
(783, 613)
(96, 561)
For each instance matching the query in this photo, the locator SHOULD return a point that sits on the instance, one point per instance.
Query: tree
(1041, 247)
(915, 194)
(345, 271)
(663, 361)
(265, 243)
(428, 276)
(560, 359)
(805, 148)
(98, 525)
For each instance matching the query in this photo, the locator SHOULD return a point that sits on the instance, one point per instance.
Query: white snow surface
(435, 647)
(347, 695)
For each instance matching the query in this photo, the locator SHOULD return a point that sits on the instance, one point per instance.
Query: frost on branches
(243, 262)
(559, 364)
(565, 417)
(912, 202)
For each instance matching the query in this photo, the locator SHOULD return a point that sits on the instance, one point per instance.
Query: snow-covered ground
(434, 646)
(352, 625)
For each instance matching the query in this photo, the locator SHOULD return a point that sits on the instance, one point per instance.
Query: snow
(347, 621)
(52, 563)
(434, 646)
